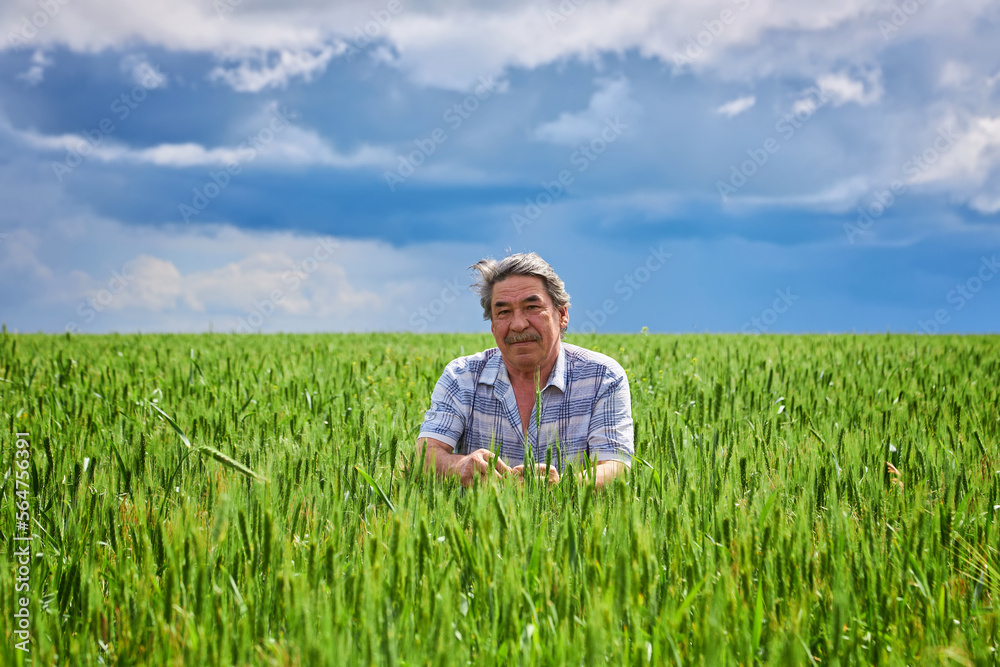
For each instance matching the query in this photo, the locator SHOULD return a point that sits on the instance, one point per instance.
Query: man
(486, 402)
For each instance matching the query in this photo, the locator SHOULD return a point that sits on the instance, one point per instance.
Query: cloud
(144, 282)
(272, 140)
(962, 157)
(265, 44)
(34, 74)
(954, 74)
(318, 288)
(261, 71)
(19, 257)
(268, 284)
(841, 88)
(736, 107)
(169, 278)
(176, 25)
(610, 101)
(838, 197)
(987, 204)
(141, 73)
(450, 47)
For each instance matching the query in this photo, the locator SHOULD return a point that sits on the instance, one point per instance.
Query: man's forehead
(532, 298)
(519, 288)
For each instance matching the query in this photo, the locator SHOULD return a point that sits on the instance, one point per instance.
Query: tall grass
(761, 523)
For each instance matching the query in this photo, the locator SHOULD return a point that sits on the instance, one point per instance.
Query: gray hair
(492, 271)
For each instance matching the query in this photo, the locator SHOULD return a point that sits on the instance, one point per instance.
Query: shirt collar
(491, 370)
(557, 378)
(495, 366)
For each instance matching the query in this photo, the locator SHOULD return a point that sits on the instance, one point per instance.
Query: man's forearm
(437, 459)
(479, 464)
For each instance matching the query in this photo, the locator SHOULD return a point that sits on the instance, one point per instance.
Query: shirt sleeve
(611, 434)
(446, 418)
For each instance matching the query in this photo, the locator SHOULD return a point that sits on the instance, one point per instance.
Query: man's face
(526, 325)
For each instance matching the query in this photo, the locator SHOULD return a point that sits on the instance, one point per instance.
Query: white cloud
(141, 73)
(987, 204)
(265, 70)
(191, 279)
(954, 74)
(961, 155)
(316, 289)
(19, 256)
(273, 140)
(611, 101)
(807, 106)
(265, 44)
(145, 282)
(36, 73)
(736, 107)
(177, 25)
(453, 43)
(958, 155)
(837, 198)
(271, 283)
(841, 88)
(450, 47)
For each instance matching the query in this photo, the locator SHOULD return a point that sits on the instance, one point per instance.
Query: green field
(763, 523)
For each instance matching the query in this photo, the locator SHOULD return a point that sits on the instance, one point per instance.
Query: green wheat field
(254, 500)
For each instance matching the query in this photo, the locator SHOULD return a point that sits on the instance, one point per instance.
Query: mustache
(521, 338)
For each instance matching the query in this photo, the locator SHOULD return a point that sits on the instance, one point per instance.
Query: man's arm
(611, 437)
(440, 458)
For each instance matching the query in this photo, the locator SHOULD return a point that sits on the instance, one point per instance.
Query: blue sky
(744, 166)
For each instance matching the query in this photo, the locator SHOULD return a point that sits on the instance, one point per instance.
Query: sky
(745, 166)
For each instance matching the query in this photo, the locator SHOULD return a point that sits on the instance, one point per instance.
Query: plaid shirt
(586, 409)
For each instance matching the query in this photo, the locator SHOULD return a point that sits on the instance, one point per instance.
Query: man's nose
(520, 321)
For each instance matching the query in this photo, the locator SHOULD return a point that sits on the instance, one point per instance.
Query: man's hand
(482, 464)
(604, 472)
(479, 464)
(552, 474)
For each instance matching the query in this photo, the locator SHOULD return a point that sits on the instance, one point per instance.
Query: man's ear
(563, 317)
